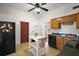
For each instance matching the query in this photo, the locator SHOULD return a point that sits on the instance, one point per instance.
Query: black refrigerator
(7, 38)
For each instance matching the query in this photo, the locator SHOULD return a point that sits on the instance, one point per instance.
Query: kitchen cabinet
(77, 20)
(55, 24)
(66, 40)
(59, 42)
(70, 18)
(61, 19)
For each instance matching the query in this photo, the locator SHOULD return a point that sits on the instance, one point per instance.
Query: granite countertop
(65, 35)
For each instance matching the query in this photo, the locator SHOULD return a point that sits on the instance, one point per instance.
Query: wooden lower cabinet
(66, 40)
(59, 42)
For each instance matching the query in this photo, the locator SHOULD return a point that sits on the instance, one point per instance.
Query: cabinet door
(59, 42)
(62, 19)
(66, 40)
(70, 18)
(77, 20)
(55, 24)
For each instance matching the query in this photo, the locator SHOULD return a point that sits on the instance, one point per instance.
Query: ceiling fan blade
(43, 4)
(75, 7)
(31, 4)
(43, 8)
(31, 9)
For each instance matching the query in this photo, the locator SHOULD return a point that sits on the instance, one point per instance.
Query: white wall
(65, 10)
(15, 15)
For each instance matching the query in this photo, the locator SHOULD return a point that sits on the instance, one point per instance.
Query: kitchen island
(37, 45)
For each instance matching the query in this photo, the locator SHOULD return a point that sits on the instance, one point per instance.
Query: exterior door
(24, 32)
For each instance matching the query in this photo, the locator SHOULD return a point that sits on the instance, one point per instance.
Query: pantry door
(24, 32)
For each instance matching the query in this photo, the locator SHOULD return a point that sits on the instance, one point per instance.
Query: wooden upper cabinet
(55, 24)
(70, 18)
(61, 19)
(77, 20)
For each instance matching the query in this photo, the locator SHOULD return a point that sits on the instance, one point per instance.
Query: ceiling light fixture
(37, 10)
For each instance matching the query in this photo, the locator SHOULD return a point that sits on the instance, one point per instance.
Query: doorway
(24, 32)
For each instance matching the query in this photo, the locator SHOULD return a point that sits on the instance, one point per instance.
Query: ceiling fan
(75, 7)
(37, 7)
